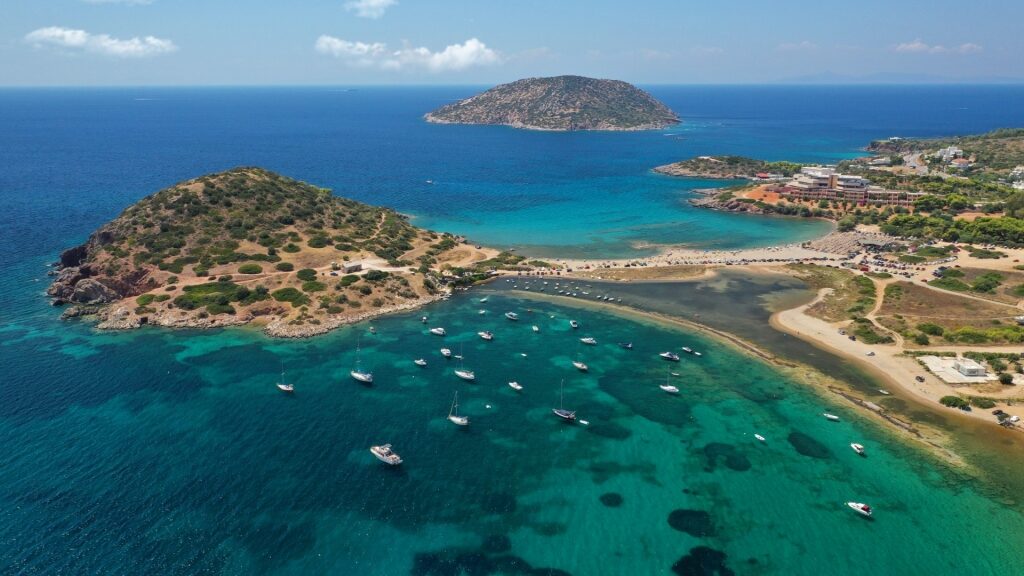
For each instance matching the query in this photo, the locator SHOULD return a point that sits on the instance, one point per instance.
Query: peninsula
(560, 103)
(250, 245)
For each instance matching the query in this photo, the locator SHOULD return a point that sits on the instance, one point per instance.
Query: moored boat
(438, 331)
(453, 413)
(420, 362)
(574, 323)
(861, 508)
(446, 352)
(358, 374)
(831, 417)
(486, 335)
(512, 316)
(859, 449)
(759, 437)
(589, 341)
(561, 412)
(515, 386)
(536, 328)
(385, 454)
(626, 345)
(671, 356)
(580, 366)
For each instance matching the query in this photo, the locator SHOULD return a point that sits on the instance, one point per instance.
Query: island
(727, 168)
(560, 103)
(249, 245)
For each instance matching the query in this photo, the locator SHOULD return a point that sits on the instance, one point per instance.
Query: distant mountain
(560, 103)
(896, 78)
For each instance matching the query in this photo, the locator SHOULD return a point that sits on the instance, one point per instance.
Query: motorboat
(574, 323)
(446, 352)
(759, 437)
(859, 449)
(536, 328)
(453, 413)
(860, 508)
(831, 417)
(486, 335)
(512, 316)
(669, 388)
(515, 386)
(420, 362)
(671, 356)
(438, 331)
(482, 312)
(484, 299)
(687, 350)
(580, 366)
(423, 320)
(589, 341)
(626, 345)
(385, 454)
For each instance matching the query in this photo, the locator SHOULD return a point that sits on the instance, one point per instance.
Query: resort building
(823, 183)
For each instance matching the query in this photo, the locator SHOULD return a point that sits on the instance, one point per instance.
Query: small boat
(885, 392)
(484, 299)
(438, 331)
(283, 386)
(674, 373)
(536, 328)
(859, 508)
(668, 387)
(482, 312)
(561, 412)
(373, 330)
(759, 437)
(453, 413)
(671, 356)
(462, 373)
(420, 362)
(859, 449)
(687, 350)
(626, 345)
(486, 335)
(574, 323)
(358, 374)
(423, 320)
(589, 341)
(446, 352)
(386, 455)
(831, 417)
(697, 354)
(512, 316)
(580, 366)
(515, 386)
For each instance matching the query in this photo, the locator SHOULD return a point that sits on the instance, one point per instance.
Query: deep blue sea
(171, 452)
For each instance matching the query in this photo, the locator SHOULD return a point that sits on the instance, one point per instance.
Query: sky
(352, 42)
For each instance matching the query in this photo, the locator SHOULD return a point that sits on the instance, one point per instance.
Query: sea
(173, 452)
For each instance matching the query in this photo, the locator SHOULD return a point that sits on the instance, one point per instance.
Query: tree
(1006, 379)
(847, 223)
(929, 203)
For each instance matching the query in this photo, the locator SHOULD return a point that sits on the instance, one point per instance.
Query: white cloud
(369, 8)
(796, 46)
(125, 2)
(71, 39)
(454, 57)
(920, 47)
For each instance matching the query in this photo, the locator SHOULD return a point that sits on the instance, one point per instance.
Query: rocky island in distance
(249, 245)
(560, 103)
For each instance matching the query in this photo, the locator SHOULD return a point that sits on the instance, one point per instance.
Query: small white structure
(350, 267)
(968, 367)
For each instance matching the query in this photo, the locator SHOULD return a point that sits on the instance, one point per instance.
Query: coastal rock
(91, 291)
(73, 256)
(79, 311)
(560, 103)
(120, 318)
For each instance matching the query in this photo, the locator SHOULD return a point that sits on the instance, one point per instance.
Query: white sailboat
(358, 374)
(461, 372)
(515, 386)
(453, 413)
(561, 412)
(668, 387)
(283, 386)
(438, 331)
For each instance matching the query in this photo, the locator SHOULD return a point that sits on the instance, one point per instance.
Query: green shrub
(1006, 379)
(306, 274)
(219, 308)
(289, 247)
(348, 280)
(921, 339)
(987, 282)
(911, 259)
(313, 286)
(375, 275)
(982, 402)
(145, 299)
(953, 401)
(318, 241)
(365, 290)
(952, 273)
(931, 329)
(950, 284)
(291, 295)
(285, 266)
(250, 269)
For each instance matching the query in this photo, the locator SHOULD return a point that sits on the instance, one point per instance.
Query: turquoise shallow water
(171, 452)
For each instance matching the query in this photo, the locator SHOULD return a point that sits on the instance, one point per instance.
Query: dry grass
(851, 294)
(908, 305)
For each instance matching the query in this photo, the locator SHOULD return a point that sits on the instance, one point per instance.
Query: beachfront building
(824, 183)
(968, 367)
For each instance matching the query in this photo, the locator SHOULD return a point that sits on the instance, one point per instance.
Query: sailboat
(579, 364)
(461, 372)
(358, 374)
(283, 386)
(453, 413)
(668, 387)
(561, 412)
